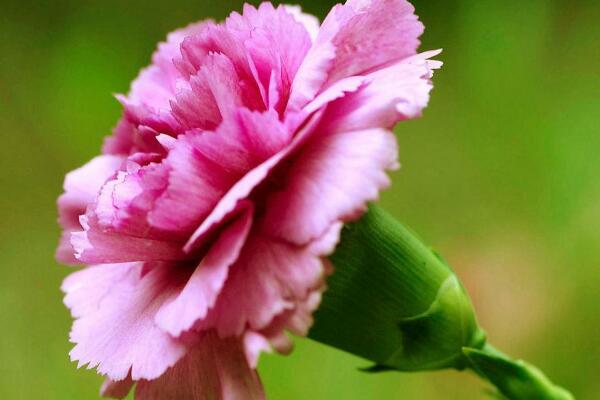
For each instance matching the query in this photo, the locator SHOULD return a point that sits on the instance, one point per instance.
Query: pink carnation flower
(206, 223)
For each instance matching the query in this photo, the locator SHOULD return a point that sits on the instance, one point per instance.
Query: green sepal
(394, 301)
(376, 368)
(434, 339)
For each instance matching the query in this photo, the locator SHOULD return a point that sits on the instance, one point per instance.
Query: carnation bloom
(206, 222)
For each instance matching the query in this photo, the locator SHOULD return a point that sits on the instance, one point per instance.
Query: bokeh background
(501, 176)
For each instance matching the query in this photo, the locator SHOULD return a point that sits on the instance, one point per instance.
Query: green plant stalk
(395, 302)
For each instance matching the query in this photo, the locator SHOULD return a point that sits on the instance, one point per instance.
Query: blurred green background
(501, 176)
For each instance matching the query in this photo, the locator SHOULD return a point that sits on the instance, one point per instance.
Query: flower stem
(514, 379)
(396, 302)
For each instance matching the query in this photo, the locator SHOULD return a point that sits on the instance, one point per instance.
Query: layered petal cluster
(205, 224)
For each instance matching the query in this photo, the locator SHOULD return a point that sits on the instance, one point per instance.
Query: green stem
(514, 379)
(394, 301)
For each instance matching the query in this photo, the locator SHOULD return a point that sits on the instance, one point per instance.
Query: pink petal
(311, 76)
(390, 95)
(287, 38)
(129, 137)
(276, 44)
(203, 287)
(336, 91)
(325, 245)
(120, 335)
(331, 180)
(94, 245)
(85, 289)
(265, 281)
(218, 39)
(368, 34)
(205, 165)
(254, 345)
(297, 319)
(215, 369)
(356, 38)
(81, 187)
(310, 22)
(116, 389)
(148, 101)
(158, 83)
(229, 202)
(123, 203)
(214, 93)
(64, 251)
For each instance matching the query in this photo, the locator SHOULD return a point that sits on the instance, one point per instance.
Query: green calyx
(434, 339)
(395, 302)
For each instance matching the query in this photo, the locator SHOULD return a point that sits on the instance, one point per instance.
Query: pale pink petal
(116, 389)
(120, 335)
(356, 38)
(368, 34)
(215, 369)
(336, 91)
(214, 93)
(318, 189)
(310, 22)
(129, 136)
(325, 245)
(265, 281)
(148, 101)
(122, 140)
(254, 345)
(81, 187)
(218, 39)
(276, 44)
(85, 289)
(158, 83)
(166, 141)
(203, 287)
(390, 95)
(298, 318)
(274, 337)
(311, 76)
(94, 245)
(64, 251)
(125, 201)
(288, 39)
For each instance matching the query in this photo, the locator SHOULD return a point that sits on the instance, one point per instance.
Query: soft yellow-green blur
(501, 175)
